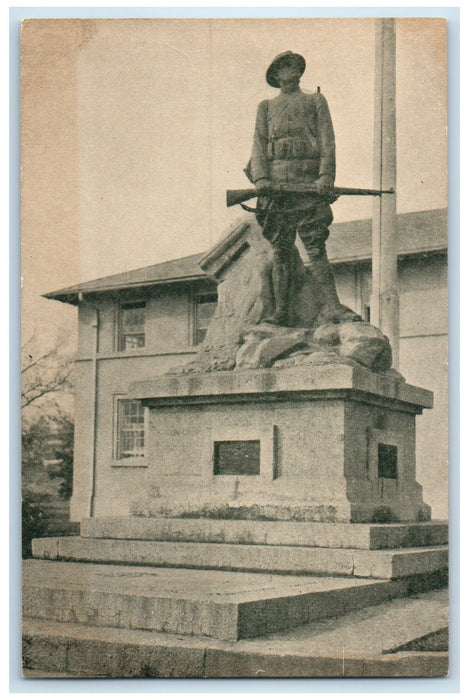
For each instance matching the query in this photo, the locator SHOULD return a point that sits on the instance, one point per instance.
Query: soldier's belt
(292, 149)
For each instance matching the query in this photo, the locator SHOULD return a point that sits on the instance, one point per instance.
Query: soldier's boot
(281, 284)
(294, 319)
(333, 311)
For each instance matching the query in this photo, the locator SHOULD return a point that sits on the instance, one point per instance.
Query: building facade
(139, 324)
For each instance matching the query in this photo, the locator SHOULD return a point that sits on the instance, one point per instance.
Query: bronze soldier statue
(294, 144)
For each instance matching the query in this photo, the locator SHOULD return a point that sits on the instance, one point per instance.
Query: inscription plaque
(241, 457)
(387, 461)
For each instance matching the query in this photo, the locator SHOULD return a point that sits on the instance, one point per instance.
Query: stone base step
(354, 645)
(385, 563)
(309, 534)
(225, 605)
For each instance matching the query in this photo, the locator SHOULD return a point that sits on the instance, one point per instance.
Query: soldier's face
(288, 79)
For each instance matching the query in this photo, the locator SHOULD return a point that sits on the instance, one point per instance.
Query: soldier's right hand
(263, 186)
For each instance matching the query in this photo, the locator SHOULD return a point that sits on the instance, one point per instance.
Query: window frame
(363, 289)
(196, 300)
(130, 461)
(129, 303)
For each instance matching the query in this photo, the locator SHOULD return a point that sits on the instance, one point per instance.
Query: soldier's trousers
(281, 222)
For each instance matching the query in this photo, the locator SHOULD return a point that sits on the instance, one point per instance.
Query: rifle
(238, 196)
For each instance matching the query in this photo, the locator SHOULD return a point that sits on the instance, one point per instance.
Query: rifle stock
(238, 196)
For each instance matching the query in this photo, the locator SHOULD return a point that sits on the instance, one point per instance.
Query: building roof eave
(401, 255)
(69, 295)
(349, 242)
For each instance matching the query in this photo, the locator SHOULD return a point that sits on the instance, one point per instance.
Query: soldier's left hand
(324, 185)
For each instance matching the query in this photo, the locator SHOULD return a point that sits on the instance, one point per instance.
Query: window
(363, 286)
(205, 305)
(130, 432)
(132, 325)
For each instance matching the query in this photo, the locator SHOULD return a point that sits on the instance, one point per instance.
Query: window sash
(130, 341)
(205, 306)
(130, 433)
(132, 325)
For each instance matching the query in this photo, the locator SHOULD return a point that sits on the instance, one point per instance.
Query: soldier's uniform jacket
(293, 140)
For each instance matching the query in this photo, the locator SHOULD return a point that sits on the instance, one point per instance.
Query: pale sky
(132, 130)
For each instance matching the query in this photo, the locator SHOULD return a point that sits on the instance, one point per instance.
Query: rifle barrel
(360, 191)
(238, 196)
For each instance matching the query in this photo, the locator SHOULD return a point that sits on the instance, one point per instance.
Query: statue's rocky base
(239, 336)
(323, 442)
(352, 342)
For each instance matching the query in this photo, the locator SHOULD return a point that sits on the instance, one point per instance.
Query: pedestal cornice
(331, 381)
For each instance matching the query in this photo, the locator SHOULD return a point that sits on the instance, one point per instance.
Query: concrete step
(309, 534)
(354, 645)
(385, 563)
(225, 605)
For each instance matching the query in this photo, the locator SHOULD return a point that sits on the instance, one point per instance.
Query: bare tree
(45, 375)
(47, 438)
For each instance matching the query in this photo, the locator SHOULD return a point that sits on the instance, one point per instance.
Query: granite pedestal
(331, 443)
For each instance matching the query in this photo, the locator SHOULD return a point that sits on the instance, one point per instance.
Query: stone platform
(224, 605)
(377, 641)
(269, 532)
(184, 581)
(385, 563)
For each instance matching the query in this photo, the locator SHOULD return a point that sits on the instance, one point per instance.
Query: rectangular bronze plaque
(237, 457)
(387, 461)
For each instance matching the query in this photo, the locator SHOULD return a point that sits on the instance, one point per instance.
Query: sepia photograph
(234, 321)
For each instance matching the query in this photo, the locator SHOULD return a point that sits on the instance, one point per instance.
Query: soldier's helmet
(288, 58)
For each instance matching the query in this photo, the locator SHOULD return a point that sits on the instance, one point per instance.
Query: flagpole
(385, 293)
